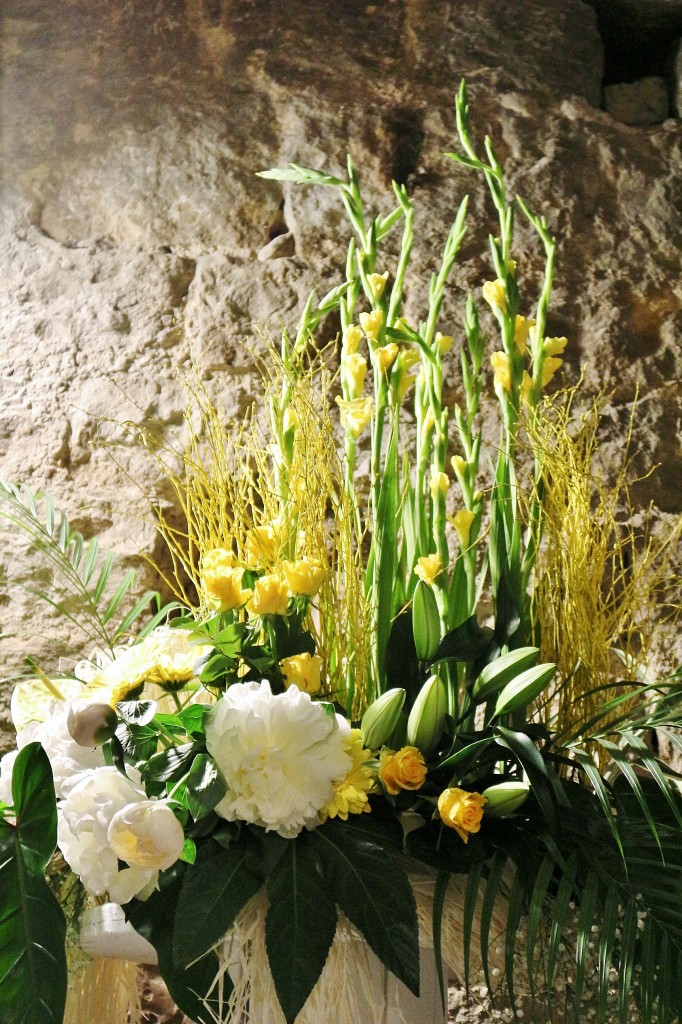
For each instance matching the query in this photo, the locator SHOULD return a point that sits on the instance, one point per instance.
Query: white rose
(146, 835)
(279, 754)
(93, 799)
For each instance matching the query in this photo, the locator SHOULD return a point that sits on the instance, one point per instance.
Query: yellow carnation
(351, 795)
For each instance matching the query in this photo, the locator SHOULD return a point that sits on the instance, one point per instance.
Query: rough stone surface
(136, 240)
(642, 102)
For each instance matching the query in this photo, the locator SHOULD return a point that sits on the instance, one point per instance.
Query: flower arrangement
(360, 715)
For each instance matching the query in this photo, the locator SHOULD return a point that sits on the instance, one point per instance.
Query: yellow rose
(303, 671)
(428, 567)
(462, 811)
(404, 769)
(221, 582)
(495, 294)
(372, 323)
(270, 596)
(500, 364)
(304, 577)
(263, 544)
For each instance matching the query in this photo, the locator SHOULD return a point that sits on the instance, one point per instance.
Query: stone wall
(135, 238)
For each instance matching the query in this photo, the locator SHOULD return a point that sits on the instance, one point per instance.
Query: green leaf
(137, 712)
(214, 891)
(299, 927)
(154, 919)
(32, 925)
(171, 764)
(205, 786)
(193, 718)
(299, 175)
(466, 642)
(375, 895)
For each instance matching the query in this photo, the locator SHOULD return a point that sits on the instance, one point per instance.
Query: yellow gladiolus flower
(462, 811)
(302, 671)
(526, 386)
(554, 346)
(221, 582)
(444, 342)
(459, 465)
(404, 384)
(304, 577)
(372, 323)
(428, 567)
(270, 596)
(353, 373)
(462, 521)
(386, 356)
(355, 414)
(352, 336)
(500, 364)
(439, 484)
(290, 419)
(402, 769)
(495, 294)
(377, 284)
(522, 328)
(549, 368)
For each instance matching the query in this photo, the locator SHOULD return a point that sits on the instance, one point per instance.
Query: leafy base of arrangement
(381, 710)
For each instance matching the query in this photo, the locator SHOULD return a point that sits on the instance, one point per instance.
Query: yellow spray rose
(221, 582)
(302, 671)
(462, 811)
(270, 596)
(304, 577)
(402, 769)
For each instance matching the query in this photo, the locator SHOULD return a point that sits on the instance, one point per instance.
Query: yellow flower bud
(555, 346)
(402, 770)
(372, 323)
(386, 356)
(404, 384)
(439, 484)
(353, 373)
(444, 342)
(355, 414)
(462, 811)
(428, 567)
(462, 521)
(270, 596)
(290, 419)
(352, 336)
(429, 421)
(459, 465)
(500, 364)
(521, 333)
(303, 671)
(263, 543)
(304, 577)
(377, 283)
(511, 266)
(495, 294)
(221, 582)
(549, 368)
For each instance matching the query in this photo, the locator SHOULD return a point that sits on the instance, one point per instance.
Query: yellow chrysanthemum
(351, 795)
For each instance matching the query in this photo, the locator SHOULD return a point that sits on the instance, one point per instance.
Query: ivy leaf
(32, 925)
(375, 895)
(299, 927)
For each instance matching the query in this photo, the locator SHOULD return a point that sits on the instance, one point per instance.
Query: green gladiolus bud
(91, 723)
(505, 797)
(381, 718)
(427, 717)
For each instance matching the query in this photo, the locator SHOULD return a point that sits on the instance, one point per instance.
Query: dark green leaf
(171, 764)
(137, 712)
(299, 927)
(467, 642)
(32, 925)
(205, 786)
(402, 664)
(375, 895)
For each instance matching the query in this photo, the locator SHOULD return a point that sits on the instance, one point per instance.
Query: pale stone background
(135, 237)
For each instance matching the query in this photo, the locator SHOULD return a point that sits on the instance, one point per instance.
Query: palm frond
(68, 574)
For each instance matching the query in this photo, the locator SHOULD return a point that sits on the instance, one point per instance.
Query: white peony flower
(94, 798)
(67, 757)
(146, 835)
(279, 754)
